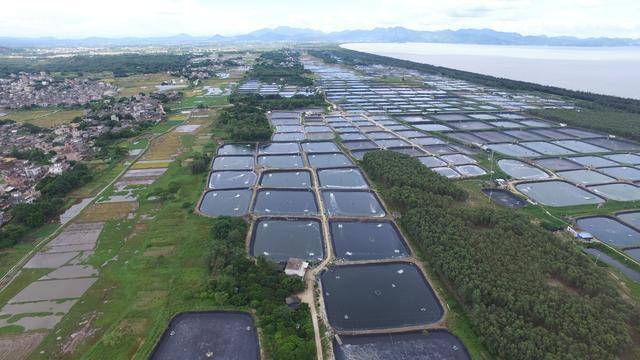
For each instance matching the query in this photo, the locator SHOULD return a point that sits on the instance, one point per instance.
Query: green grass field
(44, 117)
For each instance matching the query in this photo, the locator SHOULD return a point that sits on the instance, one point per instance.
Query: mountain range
(290, 34)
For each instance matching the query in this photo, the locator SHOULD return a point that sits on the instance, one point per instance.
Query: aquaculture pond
(618, 192)
(514, 150)
(610, 231)
(352, 203)
(555, 163)
(233, 202)
(329, 160)
(350, 178)
(279, 148)
(505, 198)
(367, 240)
(320, 147)
(585, 177)
(231, 179)
(281, 161)
(209, 335)
(286, 179)
(416, 345)
(603, 257)
(281, 239)
(630, 217)
(285, 202)
(521, 170)
(233, 163)
(593, 161)
(237, 149)
(378, 296)
(557, 193)
(622, 172)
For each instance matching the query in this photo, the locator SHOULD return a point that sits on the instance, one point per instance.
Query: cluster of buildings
(24, 90)
(129, 111)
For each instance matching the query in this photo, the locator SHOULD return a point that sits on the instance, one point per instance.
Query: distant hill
(289, 34)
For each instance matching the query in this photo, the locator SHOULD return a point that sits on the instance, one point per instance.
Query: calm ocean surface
(604, 70)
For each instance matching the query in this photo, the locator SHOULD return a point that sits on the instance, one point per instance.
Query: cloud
(478, 11)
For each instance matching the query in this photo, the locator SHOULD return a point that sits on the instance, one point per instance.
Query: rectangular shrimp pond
(367, 240)
(557, 193)
(378, 296)
(279, 239)
(209, 335)
(436, 345)
(233, 202)
(352, 203)
(610, 231)
(285, 202)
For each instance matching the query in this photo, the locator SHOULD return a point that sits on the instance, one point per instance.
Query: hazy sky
(117, 18)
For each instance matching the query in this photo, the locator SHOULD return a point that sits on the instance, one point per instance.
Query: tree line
(528, 294)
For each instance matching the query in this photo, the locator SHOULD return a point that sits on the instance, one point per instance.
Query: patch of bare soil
(19, 346)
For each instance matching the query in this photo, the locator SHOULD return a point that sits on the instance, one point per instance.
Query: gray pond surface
(622, 172)
(436, 345)
(446, 172)
(231, 179)
(286, 179)
(515, 150)
(233, 163)
(320, 147)
(618, 192)
(470, 170)
(352, 203)
(209, 335)
(546, 148)
(557, 193)
(279, 148)
(378, 296)
(367, 240)
(350, 178)
(594, 161)
(630, 159)
(557, 164)
(635, 254)
(630, 217)
(281, 239)
(237, 149)
(226, 202)
(630, 273)
(610, 231)
(432, 161)
(585, 177)
(521, 170)
(285, 202)
(281, 161)
(329, 160)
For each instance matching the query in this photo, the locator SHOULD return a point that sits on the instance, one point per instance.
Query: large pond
(514, 150)
(367, 240)
(350, 178)
(617, 192)
(630, 217)
(521, 170)
(436, 345)
(603, 257)
(557, 193)
(329, 160)
(610, 231)
(237, 149)
(285, 202)
(281, 239)
(207, 335)
(231, 179)
(286, 179)
(233, 163)
(226, 202)
(352, 203)
(585, 177)
(320, 147)
(281, 161)
(378, 296)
